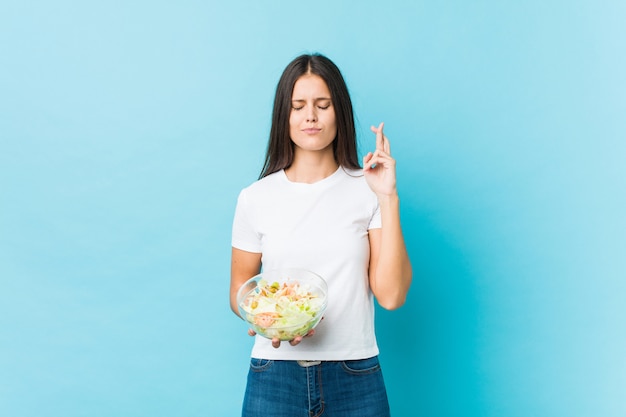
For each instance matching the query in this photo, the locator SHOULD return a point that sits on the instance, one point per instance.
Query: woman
(315, 208)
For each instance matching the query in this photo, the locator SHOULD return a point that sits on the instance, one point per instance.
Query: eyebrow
(301, 100)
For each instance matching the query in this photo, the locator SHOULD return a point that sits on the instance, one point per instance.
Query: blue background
(128, 128)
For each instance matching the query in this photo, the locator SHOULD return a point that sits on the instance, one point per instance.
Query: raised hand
(379, 167)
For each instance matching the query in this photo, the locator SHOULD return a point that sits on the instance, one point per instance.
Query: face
(312, 124)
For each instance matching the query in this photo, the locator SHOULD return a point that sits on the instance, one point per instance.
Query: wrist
(388, 199)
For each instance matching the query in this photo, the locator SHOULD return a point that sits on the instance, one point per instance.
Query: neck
(310, 168)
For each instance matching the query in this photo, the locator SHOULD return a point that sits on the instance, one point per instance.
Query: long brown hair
(280, 148)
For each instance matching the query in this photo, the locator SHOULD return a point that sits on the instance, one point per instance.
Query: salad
(282, 310)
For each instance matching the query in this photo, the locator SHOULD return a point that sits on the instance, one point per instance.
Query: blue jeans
(328, 389)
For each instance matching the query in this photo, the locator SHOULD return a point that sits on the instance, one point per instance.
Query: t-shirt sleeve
(375, 221)
(244, 235)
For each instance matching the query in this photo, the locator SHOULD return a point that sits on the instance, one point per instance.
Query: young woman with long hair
(315, 208)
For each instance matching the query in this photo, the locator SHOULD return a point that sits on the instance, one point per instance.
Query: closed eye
(321, 103)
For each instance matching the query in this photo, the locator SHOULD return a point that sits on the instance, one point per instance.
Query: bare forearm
(244, 265)
(393, 273)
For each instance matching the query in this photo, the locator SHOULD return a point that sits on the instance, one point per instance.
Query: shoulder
(263, 185)
(353, 173)
(352, 176)
(354, 185)
(355, 179)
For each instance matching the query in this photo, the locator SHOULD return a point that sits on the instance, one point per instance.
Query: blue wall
(128, 128)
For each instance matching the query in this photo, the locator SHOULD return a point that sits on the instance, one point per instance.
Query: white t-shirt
(322, 227)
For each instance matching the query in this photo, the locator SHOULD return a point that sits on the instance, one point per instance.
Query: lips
(311, 130)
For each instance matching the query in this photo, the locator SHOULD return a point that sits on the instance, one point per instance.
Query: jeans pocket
(260, 365)
(361, 366)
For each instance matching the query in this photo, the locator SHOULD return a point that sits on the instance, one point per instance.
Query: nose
(311, 115)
